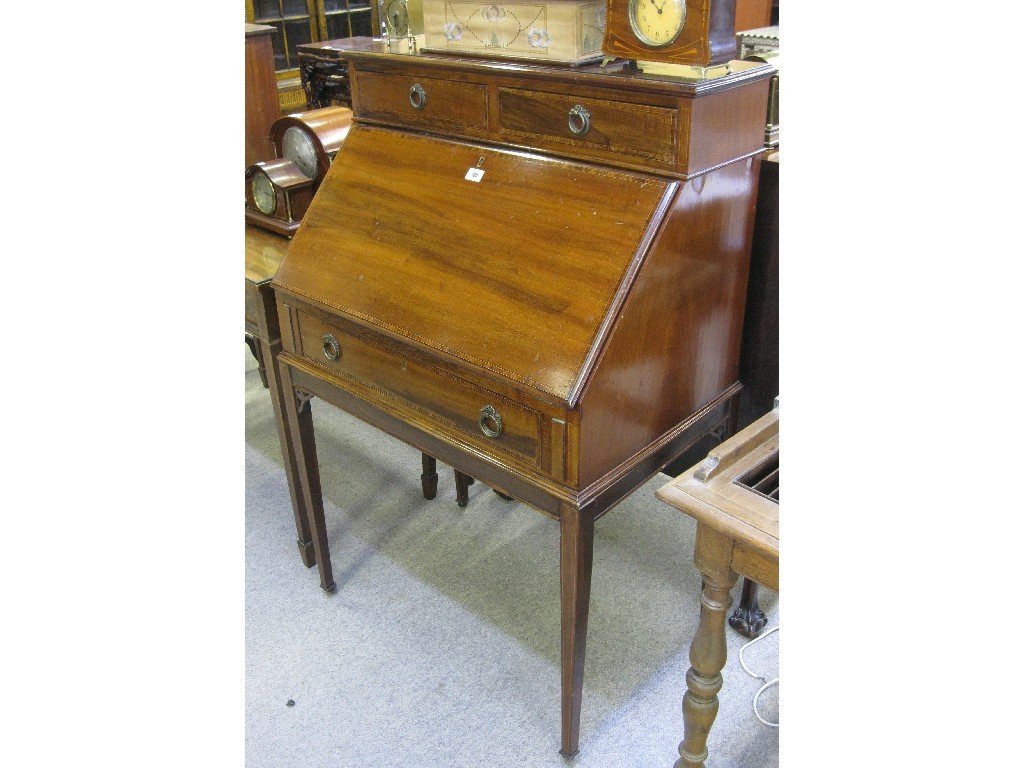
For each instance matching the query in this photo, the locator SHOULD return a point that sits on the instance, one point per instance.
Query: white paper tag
(474, 174)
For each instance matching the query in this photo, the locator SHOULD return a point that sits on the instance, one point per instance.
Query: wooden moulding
(565, 31)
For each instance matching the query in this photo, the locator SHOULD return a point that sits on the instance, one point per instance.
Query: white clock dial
(298, 147)
(657, 22)
(263, 193)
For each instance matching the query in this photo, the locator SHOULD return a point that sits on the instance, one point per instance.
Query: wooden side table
(734, 497)
(263, 254)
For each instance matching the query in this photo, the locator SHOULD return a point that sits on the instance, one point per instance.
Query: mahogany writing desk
(535, 274)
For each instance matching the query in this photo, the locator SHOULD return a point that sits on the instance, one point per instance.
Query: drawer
(448, 402)
(421, 101)
(634, 130)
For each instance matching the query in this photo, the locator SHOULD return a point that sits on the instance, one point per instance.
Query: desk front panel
(496, 419)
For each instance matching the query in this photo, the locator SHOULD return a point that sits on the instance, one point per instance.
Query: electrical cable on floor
(767, 683)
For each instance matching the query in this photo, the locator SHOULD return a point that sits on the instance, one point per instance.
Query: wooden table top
(709, 492)
(263, 254)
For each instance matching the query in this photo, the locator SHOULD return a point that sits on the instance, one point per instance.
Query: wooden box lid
(520, 273)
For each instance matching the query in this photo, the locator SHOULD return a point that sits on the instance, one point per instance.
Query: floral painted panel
(523, 29)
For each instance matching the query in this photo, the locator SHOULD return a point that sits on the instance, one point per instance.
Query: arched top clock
(311, 139)
(698, 33)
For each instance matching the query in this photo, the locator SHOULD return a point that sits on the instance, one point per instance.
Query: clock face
(396, 17)
(657, 22)
(263, 193)
(297, 146)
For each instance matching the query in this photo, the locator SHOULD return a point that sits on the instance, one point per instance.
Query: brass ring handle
(417, 96)
(579, 120)
(490, 421)
(332, 350)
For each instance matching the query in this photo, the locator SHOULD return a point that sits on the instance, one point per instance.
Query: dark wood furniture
(535, 274)
(734, 497)
(261, 108)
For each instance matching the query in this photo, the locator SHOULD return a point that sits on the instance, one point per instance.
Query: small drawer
(632, 130)
(447, 402)
(421, 101)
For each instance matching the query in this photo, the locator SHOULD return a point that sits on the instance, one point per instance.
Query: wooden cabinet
(497, 272)
(261, 108)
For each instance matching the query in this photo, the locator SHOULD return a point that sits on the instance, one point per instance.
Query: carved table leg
(429, 477)
(254, 346)
(575, 568)
(748, 619)
(708, 650)
(462, 483)
(300, 423)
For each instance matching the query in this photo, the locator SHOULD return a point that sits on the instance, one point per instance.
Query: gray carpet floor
(441, 645)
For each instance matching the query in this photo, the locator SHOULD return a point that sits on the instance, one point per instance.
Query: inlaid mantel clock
(692, 33)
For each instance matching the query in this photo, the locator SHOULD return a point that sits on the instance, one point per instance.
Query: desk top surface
(263, 254)
(614, 72)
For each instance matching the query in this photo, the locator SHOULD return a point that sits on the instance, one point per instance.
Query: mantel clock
(311, 139)
(277, 195)
(692, 33)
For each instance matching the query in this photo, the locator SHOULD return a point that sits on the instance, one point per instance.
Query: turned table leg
(708, 650)
(429, 477)
(575, 569)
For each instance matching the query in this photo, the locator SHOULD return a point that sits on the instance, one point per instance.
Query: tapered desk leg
(575, 568)
(708, 650)
(305, 539)
(300, 424)
(429, 477)
(267, 351)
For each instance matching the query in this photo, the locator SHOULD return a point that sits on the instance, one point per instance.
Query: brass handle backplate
(579, 120)
(417, 96)
(490, 421)
(332, 350)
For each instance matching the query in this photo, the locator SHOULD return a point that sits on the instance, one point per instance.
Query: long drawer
(637, 131)
(423, 102)
(449, 402)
